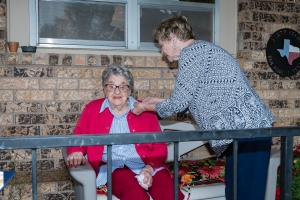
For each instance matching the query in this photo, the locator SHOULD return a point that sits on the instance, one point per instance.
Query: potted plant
(295, 176)
(13, 46)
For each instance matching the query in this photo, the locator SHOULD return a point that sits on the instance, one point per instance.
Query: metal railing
(39, 142)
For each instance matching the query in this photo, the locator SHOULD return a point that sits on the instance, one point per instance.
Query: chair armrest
(85, 175)
(184, 147)
(274, 163)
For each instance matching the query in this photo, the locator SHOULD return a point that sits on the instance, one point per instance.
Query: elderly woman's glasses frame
(112, 87)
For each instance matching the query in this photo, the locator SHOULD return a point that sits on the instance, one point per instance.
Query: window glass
(200, 1)
(201, 21)
(77, 21)
(114, 24)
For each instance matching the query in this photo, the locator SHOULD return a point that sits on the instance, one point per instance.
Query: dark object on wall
(31, 49)
(283, 52)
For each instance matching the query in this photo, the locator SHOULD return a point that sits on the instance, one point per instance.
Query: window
(114, 24)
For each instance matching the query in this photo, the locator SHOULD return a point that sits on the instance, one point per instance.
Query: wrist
(148, 169)
(151, 166)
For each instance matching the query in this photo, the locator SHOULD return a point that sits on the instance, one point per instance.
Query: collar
(106, 104)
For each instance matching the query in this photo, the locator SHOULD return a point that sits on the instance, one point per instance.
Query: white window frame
(132, 34)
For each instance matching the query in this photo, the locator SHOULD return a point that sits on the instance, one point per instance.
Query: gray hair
(117, 70)
(177, 25)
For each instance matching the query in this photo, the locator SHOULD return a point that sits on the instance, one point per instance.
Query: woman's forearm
(150, 107)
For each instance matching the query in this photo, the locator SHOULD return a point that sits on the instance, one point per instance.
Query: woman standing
(212, 85)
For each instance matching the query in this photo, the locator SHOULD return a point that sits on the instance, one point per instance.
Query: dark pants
(253, 162)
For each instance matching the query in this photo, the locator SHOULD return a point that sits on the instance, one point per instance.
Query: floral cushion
(197, 172)
(194, 172)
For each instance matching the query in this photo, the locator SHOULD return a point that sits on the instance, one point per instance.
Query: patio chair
(85, 178)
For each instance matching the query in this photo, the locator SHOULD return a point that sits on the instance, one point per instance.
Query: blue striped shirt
(121, 154)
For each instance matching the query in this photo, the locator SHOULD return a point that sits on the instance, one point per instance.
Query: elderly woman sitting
(112, 115)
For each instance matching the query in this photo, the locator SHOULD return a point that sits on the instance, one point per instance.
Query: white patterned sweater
(212, 85)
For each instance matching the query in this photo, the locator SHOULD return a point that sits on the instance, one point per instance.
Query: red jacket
(92, 121)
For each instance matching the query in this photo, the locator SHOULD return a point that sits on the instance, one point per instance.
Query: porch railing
(38, 142)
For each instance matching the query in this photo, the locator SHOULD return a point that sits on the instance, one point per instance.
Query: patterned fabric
(213, 86)
(197, 172)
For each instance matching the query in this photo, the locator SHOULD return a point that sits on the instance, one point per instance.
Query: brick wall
(44, 93)
(257, 20)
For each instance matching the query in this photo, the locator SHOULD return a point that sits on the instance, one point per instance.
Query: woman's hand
(148, 104)
(75, 159)
(138, 108)
(153, 100)
(147, 171)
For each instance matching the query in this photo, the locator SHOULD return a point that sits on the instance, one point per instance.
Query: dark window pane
(200, 1)
(81, 21)
(201, 22)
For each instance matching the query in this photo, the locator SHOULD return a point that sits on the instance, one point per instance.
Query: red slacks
(126, 187)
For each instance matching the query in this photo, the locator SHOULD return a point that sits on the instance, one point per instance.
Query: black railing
(286, 133)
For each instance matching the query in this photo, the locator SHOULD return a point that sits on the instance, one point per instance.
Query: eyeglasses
(112, 87)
